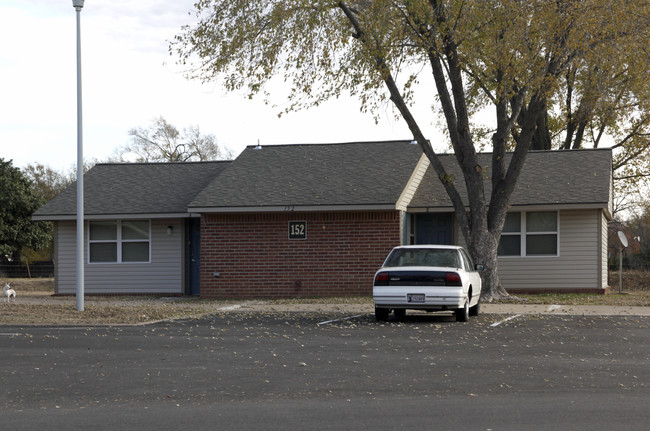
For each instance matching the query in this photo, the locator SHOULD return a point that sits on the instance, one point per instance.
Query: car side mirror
(479, 267)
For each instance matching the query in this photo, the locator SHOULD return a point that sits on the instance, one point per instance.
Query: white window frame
(523, 233)
(519, 234)
(556, 232)
(119, 241)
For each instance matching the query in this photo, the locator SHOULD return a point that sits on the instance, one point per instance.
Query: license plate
(417, 298)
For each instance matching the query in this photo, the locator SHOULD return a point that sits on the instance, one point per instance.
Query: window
(510, 242)
(469, 263)
(119, 241)
(533, 233)
(424, 257)
(103, 241)
(541, 233)
(411, 229)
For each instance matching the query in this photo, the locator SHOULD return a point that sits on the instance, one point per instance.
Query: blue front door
(195, 256)
(434, 228)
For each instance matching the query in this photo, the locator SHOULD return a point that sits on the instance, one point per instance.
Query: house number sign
(297, 230)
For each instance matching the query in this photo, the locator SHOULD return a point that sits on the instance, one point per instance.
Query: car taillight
(453, 279)
(381, 279)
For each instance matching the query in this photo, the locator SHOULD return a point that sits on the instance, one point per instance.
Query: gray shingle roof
(548, 178)
(359, 174)
(135, 188)
(321, 175)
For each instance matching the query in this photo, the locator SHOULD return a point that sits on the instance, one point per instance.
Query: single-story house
(318, 220)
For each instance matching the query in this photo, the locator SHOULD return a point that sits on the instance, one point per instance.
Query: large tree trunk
(541, 140)
(481, 225)
(483, 247)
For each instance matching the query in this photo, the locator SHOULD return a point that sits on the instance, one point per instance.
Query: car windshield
(423, 257)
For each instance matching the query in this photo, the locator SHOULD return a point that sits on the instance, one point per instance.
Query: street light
(623, 238)
(78, 5)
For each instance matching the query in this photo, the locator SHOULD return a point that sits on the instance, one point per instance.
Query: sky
(128, 79)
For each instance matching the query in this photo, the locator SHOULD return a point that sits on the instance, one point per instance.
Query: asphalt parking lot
(275, 370)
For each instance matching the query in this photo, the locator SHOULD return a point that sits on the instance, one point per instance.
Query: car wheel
(462, 314)
(473, 311)
(400, 313)
(381, 314)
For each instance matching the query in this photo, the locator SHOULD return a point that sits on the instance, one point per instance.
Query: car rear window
(424, 257)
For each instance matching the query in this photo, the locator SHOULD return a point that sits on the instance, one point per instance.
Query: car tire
(462, 314)
(400, 313)
(475, 310)
(381, 314)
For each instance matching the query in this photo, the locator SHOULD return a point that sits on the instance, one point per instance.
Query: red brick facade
(255, 258)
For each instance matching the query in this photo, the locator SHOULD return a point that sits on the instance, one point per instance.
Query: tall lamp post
(623, 238)
(78, 5)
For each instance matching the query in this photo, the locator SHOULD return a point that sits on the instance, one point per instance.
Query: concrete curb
(541, 309)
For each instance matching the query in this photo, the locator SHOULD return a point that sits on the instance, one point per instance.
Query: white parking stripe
(337, 320)
(229, 308)
(505, 320)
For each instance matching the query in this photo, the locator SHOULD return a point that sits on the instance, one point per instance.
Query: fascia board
(70, 217)
(413, 183)
(291, 208)
(538, 207)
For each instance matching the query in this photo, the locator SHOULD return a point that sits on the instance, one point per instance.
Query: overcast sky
(128, 80)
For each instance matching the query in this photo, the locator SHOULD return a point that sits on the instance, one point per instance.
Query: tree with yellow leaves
(511, 55)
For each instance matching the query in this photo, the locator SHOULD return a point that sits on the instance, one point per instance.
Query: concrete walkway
(580, 310)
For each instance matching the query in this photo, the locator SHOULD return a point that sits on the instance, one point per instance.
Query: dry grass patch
(36, 305)
(636, 293)
(65, 313)
(31, 286)
(633, 299)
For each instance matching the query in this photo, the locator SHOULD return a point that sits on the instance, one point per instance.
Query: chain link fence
(38, 269)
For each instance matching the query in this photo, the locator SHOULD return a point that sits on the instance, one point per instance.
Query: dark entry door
(434, 228)
(195, 256)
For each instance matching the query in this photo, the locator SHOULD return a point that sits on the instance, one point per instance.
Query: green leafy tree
(17, 203)
(604, 100)
(510, 55)
(45, 183)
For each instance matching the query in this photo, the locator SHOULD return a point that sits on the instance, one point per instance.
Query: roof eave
(292, 208)
(526, 207)
(120, 216)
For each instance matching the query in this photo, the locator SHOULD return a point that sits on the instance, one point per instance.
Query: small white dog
(9, 292)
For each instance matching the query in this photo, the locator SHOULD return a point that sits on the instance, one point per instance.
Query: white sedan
(427, 277)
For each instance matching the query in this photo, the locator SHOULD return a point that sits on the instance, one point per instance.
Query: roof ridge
(322, 144)
(545, 151)
(160, 163)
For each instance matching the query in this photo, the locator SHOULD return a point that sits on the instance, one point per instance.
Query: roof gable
(135, 189)
(567, 177)
(367, 174)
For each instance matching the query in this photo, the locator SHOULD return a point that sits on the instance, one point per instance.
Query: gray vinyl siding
(578, 265)
(163, 275)
(582, 260)
(55, 234)
(603, 251)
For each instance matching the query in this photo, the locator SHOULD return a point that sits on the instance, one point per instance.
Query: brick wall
(255, 258)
